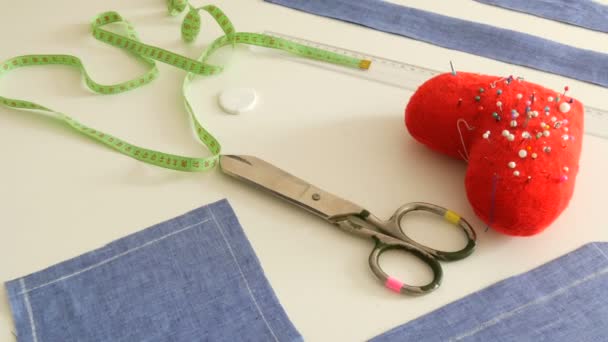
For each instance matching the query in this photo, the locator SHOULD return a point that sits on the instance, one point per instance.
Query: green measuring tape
(148, 54)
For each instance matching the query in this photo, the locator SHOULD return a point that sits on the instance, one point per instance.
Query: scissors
(354, 219)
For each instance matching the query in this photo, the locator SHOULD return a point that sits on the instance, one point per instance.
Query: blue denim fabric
(192, 278)
(467, 36)
(563, 300)
(584, 13)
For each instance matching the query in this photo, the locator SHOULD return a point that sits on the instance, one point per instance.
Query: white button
(238, 100)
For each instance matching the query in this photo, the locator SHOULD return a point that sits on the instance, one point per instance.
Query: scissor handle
(394, 228)
(395, 284)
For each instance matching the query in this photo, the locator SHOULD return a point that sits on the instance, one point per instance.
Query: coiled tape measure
(128, 40)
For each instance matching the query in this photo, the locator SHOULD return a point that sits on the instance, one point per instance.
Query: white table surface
(63, 195)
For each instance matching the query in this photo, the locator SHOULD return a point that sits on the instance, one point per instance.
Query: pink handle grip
(393, 284)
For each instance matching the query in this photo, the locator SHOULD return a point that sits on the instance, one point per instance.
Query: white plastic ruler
(407, 76)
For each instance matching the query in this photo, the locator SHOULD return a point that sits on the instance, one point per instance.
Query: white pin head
(564, 107)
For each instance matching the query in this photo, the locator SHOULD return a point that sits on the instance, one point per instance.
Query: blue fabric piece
(192, 278)
(585, 13)
(452, 33)
(563, 300)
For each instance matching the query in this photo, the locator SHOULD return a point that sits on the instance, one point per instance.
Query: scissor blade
(282, 184)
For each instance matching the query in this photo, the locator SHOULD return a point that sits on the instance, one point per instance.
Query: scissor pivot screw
(316, 197)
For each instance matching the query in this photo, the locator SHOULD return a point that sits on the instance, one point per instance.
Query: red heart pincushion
(522, 142)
